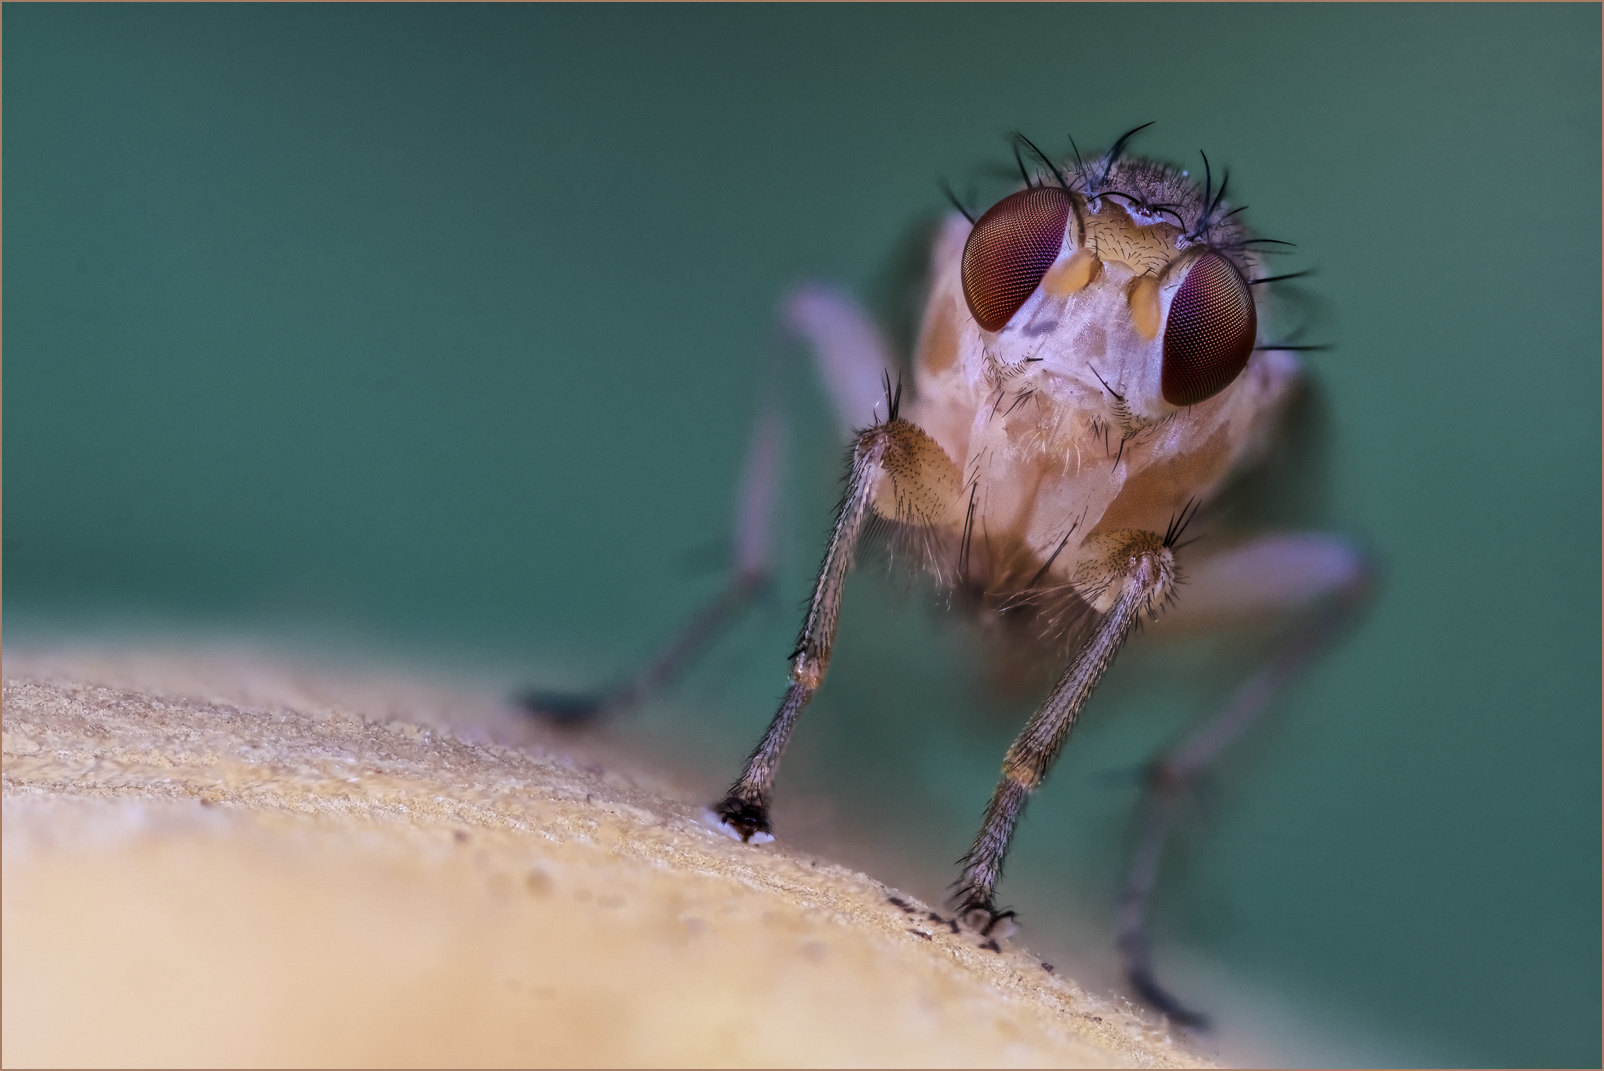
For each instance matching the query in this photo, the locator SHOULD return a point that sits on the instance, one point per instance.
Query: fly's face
(1083, 332)
(1051, 275)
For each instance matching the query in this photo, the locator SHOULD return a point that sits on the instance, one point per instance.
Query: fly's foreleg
(1131, 580)
(898, 470)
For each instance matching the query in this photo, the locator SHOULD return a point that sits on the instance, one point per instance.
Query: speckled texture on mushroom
(194, 881)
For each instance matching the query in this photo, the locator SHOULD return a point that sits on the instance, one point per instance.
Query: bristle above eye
(1209, 335)
(1009, 251)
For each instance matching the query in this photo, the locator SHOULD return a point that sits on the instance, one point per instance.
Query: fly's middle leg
(1329, 582)
(752, 546)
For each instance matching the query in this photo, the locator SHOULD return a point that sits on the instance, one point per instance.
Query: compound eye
(1010, 249)
(1209, 335)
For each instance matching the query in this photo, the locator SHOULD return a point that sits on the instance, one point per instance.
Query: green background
(437, 331)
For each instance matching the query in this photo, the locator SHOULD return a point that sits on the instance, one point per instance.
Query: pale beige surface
(305, 875)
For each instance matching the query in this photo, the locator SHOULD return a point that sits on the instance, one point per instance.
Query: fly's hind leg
(1324, 578)
(853, 362)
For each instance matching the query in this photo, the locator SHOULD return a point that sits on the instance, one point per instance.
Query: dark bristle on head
(1052, 167)
(1080, 165)
(952, 199)
(1280, 278)
(1119, 146)
(1023, 174)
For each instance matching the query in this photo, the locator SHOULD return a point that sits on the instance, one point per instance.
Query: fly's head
(1124, 283)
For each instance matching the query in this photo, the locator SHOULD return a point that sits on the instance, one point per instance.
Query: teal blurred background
(438, 330)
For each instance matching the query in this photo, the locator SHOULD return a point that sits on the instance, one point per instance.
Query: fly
(1091, 369)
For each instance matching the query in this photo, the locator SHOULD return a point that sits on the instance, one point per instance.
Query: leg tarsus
(1162, 1000)
(743, 813)
(982, 917)
(741, 819)
(1164, 786)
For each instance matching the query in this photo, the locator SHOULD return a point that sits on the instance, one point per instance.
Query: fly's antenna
(952, 199)
(1057, 174)
(1119, 146)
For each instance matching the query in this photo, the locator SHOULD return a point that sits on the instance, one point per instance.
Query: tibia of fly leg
(894, 469)
(1129, 575)
(973, 899)
(1321, 582)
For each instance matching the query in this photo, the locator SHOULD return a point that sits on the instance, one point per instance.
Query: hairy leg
(1133, 578)
(897, 470)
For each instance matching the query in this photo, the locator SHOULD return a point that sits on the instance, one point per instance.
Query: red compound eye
(1209, 335)
(1010, 249)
